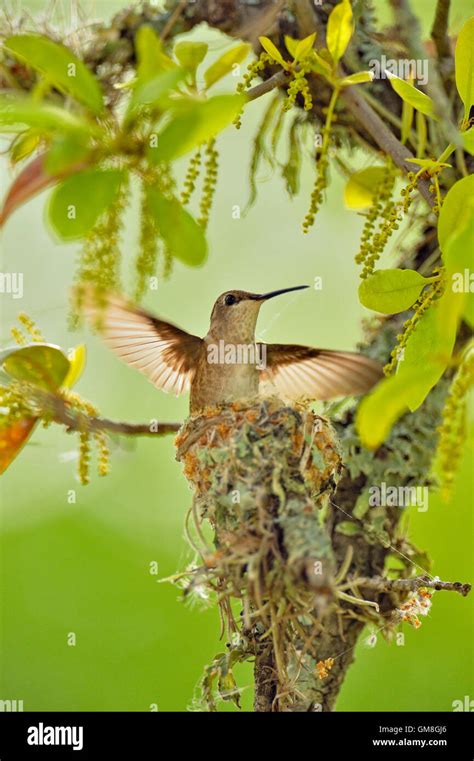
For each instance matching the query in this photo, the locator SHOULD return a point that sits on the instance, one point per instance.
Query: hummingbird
(228, 364)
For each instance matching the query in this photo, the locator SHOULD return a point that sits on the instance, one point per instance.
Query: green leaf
(151, 59)
(24, 145)
(77, 363)
(357, 79)
(66, 151)
(360, 188)
(407, 120)
(225, 63)
(190, 54)
(196, 123)
(339, 30)
(184, 238)
(78, 202)
(60, 67)
(430, 346)
(429, 165)
(348, 528)
(455, 212)
(464, 65)
(153, 92)
(459, 247)
(468, 313)
(272, 51)
(291, 44)
(380, 409)
(49, 119)
(42, 365)
(468, 140)
(410, 94)
(304, 46)
(392, 291)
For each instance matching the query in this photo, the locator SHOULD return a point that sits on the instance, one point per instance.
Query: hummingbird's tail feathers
(163, 352)
(303, 372)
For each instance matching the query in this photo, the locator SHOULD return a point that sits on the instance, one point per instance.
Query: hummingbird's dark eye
(230, 299)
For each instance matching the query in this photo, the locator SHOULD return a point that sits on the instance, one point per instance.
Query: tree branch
(439, 30)
(63, 413)
(380, 584)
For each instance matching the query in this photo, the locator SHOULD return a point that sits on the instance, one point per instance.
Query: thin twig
(439, 30)
(61, 412)
(380, 584)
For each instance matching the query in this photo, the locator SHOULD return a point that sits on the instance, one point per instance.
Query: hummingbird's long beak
(271, 294)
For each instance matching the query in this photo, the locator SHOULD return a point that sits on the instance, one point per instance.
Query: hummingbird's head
(235, 313)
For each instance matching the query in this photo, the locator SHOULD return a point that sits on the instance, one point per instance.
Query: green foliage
(339, 30)
(194, 122)
(182, 235)
(43, 365)
(360, 189)
(60, 68)
(76, 204)
(392, 291)
(464, 66)
(411, 95)
(226, 63)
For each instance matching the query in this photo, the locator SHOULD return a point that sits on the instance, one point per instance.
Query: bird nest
(261, 474)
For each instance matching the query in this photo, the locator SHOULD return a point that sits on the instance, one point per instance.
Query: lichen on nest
(261, 474)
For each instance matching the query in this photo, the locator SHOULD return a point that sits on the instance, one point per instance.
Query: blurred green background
(85, 567)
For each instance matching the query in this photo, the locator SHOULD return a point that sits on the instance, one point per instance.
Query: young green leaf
(378, 411)
(407, 92)
(46, 118)
(348, 528)
(392, 291)
(24, 145)
(455, 212)
(153, 92)
(60, 66)
(78, 202)
(225, 63)
(195, 123)
(77, 363)
(291, 44)
(151, 59)
(272, 51)
(43, 365)
(468, 140)
(339, 30)
(357, 79)
(304, 46)
(360, 188)
(430, 346)
(458, 248)
(464, 65)
(190, 54)
(66, 151)
(184, 238)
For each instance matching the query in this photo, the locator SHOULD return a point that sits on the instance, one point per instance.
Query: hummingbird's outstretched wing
(166, 354)
(301, 371)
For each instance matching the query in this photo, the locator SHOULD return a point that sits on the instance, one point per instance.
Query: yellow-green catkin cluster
(452, 431)
(391, 217)
(428, 296)
(380, 208)
(87, 437)
(320, 183)
(13, 406)
(299, 84)
(147, 258)
(32, 332)
(192, 175)
(209, 183)
(253, 70)
(100, 258)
